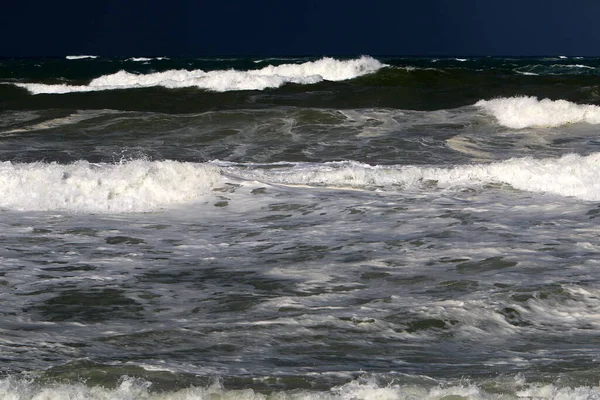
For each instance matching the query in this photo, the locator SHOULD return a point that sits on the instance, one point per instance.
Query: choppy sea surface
(300, 228)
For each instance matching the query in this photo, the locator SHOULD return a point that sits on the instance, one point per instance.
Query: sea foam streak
(224, 80)
(133, 186)
(571, 175)
(523, 112)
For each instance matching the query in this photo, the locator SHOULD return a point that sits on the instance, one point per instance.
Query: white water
(523, 112)
(79, 57)
(134, 186)
(142, 59)
(140, 185)
(131, 388)
(571, 175)
(224, 80)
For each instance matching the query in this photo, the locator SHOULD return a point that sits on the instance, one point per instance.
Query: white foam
(81, 57)
(574, 310)
(577, 66)
(523, 112)
(132, 388)
(133, 186)
(328, 69)
(527, 73)
(571, 175)
(140, 185)
(141, 59)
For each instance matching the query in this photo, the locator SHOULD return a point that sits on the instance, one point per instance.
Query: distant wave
(79, 57)
(557, 69)
(328, 69)
(141, 59)
(523, 112)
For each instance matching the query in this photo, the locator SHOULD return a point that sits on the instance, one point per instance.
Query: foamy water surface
(282, 231)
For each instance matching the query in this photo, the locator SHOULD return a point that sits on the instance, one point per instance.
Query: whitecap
(134, 186)
(80, 57)
(328, 69)
(523, 112)
(571, 175)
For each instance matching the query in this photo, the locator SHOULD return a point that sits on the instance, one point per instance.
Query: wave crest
(571, 175)
(328, 69)
(134, 186)
(524, 112)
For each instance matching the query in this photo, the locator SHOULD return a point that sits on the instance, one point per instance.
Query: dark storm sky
(309, 27)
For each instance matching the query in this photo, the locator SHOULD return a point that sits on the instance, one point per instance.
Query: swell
(270, 76)
(389, 87)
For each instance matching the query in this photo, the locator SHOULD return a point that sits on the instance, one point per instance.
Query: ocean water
(300, 228)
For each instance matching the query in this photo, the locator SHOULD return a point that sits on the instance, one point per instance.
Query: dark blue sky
(310, 27)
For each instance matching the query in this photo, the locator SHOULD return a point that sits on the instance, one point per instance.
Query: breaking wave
(524, 112)
(140, 185)
(135, 186)
(571, 175)
(132, 388)
(80, 57)
(328, 69)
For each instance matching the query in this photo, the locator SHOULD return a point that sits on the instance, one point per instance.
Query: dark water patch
(123, 240)
(228, 303)
(168, 277)
(593, 213)
(81, 231)
(267, 285)
(145, 342)
(41, 230)
(453, 288)
(72, 268)
(411, 280)
(374, 275)
(272, 218)
(109, 376)
(513, 316)
(157, 226)
(429, 324)
(352, 257)
(301, 253)
(304, 209)
(89, 306)
(489, 264)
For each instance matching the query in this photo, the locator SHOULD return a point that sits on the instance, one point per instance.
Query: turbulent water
(299, 228)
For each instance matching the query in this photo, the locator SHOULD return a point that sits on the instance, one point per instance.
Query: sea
(299, 228)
